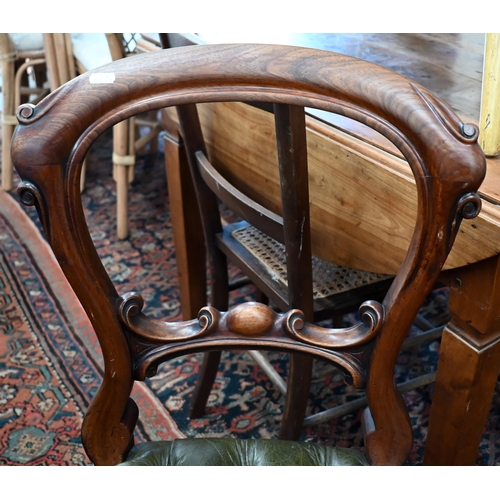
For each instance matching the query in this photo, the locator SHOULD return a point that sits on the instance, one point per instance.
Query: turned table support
(468, 367)
(186, 223)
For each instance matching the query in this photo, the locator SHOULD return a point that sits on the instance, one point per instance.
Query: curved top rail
(53, 137)
(393, 104)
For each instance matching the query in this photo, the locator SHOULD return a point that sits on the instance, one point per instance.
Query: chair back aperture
(53, 137)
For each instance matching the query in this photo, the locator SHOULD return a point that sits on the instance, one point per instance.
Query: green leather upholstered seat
(222, 452)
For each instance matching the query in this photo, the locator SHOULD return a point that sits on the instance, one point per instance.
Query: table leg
(188, 233)
(468, 368)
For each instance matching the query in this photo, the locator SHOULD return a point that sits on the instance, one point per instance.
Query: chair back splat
(51, 141)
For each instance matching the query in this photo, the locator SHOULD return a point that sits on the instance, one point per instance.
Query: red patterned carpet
(50, 362)
(49, 358)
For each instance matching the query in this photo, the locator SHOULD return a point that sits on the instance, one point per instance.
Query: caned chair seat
(329, 279)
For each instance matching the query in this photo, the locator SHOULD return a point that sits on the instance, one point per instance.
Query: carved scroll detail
(370, 312)
(25, 113)
(129, 309)
(29, 196)
(250, 320)
(28, 113)
(464, 132)
(250, 325)
(468, 207)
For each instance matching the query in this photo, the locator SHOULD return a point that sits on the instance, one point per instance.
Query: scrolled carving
(28, 194)
(208, 317)
(250, 320)
(469, 130)
(130, 305)
(464, 132)
(250, 325)
(26, 113)
(130, 313)
(371, 314)
(469, 206)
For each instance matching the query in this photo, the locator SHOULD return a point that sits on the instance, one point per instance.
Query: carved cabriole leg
(107, 431)
(468, 366)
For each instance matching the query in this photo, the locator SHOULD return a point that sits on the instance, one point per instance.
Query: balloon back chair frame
(48, 150)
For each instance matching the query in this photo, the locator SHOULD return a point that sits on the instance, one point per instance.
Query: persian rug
(50, 363)
(49, 358)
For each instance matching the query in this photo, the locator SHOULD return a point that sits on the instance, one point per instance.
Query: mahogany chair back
(260, 245)
(53, 137)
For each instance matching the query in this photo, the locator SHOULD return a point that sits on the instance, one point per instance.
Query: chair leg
(189, 244)
(298, 386)
(123, 164)
(204, 383)
(121, 179)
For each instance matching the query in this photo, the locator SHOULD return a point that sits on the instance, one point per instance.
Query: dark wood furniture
(260, 250)
(461, 69)
(52, 139)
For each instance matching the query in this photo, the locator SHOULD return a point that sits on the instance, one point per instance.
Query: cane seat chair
(53, 59)
(19, 53)
(76, 53)
(48, 149)
(336, 290)
(127, 139)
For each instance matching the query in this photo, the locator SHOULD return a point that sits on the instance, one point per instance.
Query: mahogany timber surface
(450, 65)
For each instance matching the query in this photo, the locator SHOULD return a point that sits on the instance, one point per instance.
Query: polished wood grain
(52, 139)
(452, 66)
(469, 365)
(448, 64)
(232, 132)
